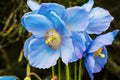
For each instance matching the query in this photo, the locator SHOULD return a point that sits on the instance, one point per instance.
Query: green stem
(53, 71)
(67, 73)
(28, 69)
(20, 56)
(80, 70)
(59, 69)
(75, 71)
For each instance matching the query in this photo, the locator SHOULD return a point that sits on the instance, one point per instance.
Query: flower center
(53, 39)
(98, 53)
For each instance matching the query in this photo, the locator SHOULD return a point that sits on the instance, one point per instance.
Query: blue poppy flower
(50, 39)
(99, 18)
(82, 19)
(7, 78)
(96, 53)
(71, 19)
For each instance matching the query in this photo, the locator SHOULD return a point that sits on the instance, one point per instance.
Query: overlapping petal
(46, 8)
(59, 24)
(88, 6)
(36, 24)
(100, 20)
(33, 5)
(66, 50)
(89, 64)
(102, 40)
(76, 18)
(78, 40)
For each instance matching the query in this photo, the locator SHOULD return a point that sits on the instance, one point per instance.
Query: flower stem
(59, 69)
(28, 69)
(80, 70)
(53, 71)
(75, 71)
(21, 56)
(67, 72)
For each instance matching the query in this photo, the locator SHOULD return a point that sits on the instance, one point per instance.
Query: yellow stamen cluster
(53, 39)
(98, 53)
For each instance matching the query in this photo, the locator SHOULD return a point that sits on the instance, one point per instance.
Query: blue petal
(27, 42)
(76, 18)
(41, 55)
(88, 6)
(100, 62)
(8, 78)
(36, 24)
(102, 40)
(66, 50)
(89, 64)
(48, 7)
(59, 24)
(100, 20)
(78, 40)
(33, 5)
(74, 58)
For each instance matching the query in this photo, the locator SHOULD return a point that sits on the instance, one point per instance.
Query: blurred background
(13, 36)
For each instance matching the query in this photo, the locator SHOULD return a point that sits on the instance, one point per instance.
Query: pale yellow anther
(102, 55)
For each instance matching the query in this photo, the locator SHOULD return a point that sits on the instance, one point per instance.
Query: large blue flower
(7, 78)
(73, 23)
(96, 53)
(50, 39)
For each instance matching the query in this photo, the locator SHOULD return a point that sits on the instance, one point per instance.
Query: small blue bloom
(7, 78)
(99, 18)
(96, 53)
(50, 39)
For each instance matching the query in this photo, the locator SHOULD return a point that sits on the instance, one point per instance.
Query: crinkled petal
(27, 42)
(66, 50)
(100, 62)
(76, 18)
(36, 24)
(48, 7)
(100, 20)
(33, 5)
(102, 40)
(89, 64)
(41, 55)
(88, 6)
(59, 24)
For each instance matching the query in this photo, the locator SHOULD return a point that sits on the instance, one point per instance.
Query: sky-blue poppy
(41, 49)
(96, 53)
